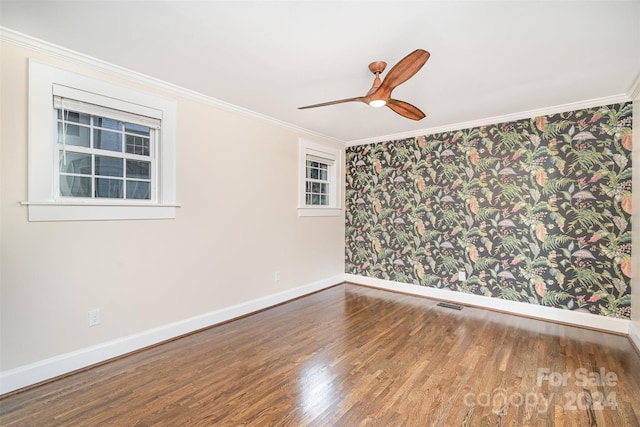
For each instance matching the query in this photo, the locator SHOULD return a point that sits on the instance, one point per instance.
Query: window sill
(65, 211)
(319, 211)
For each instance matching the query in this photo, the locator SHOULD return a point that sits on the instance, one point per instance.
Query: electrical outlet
(277, 276)
(94, 317)
(462, 276)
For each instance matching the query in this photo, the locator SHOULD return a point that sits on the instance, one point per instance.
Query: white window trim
(334, 158)
(43, 203)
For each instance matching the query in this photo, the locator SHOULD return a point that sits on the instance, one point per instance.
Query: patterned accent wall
(536, 210)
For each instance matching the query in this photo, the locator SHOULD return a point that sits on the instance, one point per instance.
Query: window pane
(308, 199)
(139, 129)
(323, 200)
(323, 188)
(322, 173)
(106, 140)
(137, 145)
(75, 135)
(317, 170)
(312, 169)
(76, 163)
(111, 188)
(107, 123)
(138, 169)
(315, 199)
(75, 186)
(72, 116)
(109, 166)
(138, 190)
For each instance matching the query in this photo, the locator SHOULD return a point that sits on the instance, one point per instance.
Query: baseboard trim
(634, 336)
(585, 320)
(48, 369)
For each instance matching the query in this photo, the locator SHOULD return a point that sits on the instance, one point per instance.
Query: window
(104, 156)
(97, 151)
(319, 180)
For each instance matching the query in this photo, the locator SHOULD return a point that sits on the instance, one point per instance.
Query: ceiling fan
(380, 93)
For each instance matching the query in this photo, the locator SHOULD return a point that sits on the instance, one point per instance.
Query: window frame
(332, 157)
(44, 202)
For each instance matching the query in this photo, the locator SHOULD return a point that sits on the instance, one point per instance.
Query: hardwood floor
(350, 356)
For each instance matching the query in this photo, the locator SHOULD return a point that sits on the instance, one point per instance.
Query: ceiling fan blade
(340, 101)
(405, 109)
(403, 71)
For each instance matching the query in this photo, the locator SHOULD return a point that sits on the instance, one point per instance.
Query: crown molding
(42, 46)
(590, 103)
(634, 89)
(24, 40)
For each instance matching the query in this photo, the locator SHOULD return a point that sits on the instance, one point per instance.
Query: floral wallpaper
(536, 210)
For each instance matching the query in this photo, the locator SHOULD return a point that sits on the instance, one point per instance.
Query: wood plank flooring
(351, 356)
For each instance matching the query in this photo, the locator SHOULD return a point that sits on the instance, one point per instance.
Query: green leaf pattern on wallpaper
(537, 210)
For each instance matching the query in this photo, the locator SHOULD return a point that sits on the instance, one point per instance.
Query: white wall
(238, 224)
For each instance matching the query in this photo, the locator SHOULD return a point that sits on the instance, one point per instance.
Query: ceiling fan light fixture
(380, 93)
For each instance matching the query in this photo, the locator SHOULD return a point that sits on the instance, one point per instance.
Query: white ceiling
(488, 58)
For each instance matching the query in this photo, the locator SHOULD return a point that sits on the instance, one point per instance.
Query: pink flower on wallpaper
(596, 177)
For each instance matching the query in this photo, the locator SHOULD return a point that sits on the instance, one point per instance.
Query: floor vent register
(447, 305)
